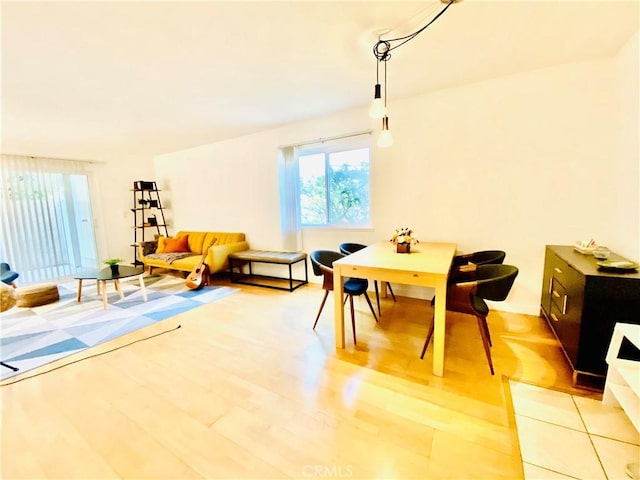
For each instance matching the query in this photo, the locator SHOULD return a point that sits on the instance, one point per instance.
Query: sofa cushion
(171, 245)
(199, 241)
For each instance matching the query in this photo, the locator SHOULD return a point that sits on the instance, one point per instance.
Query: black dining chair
(482, 257)
(322, 263)
(491, 282)
(348, 249)
(467, 262)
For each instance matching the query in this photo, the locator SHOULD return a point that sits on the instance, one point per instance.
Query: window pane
(349, 187)
(313, 189)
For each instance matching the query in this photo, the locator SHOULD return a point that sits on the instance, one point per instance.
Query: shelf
(628, 401)
(622, 386)
(148, 213)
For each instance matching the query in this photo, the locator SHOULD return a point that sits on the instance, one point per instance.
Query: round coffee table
(102, 276)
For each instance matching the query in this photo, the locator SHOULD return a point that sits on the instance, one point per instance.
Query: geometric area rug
(32, 337)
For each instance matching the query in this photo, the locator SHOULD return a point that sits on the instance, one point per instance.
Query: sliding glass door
(47, 220)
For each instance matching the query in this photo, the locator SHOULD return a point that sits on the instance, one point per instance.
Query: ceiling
(101, 80)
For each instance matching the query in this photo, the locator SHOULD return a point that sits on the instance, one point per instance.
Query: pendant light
(377, 109)
(382, 52)
(385, 139)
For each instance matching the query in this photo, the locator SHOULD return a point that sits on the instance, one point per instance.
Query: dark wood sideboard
(582, 304)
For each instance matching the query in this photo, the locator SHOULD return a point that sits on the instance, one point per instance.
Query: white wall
(515, 163)
(114, 219)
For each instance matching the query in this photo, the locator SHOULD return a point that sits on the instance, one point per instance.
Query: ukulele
(200, 275)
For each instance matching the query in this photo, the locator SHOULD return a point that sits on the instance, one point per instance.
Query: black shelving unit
(148, 213)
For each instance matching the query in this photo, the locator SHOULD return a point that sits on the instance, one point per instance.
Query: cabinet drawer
(559, 270)
(556, 316)
(559, 295)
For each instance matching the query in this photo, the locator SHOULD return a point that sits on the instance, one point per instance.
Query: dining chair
(491, 282)
(467, 262)
(348, 249)
(482, 257)
(322, 263)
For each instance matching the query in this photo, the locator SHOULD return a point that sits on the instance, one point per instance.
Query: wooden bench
(249, 257)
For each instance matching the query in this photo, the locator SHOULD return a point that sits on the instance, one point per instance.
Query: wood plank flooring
(245, 389)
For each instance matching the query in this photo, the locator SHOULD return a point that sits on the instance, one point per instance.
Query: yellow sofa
(216, 258)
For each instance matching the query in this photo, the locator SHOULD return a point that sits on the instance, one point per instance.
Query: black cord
(383, 54)
(91, 356)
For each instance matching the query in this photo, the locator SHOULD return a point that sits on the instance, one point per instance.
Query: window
(333, 186)
(47, 221)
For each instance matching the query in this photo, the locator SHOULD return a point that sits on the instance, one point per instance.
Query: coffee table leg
(104, 292)
(98, 287)
(118, 289)
(143, 289)
(79, 290)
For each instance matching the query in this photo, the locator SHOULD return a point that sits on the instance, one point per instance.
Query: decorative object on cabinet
(601, 252)
(582, 303)
(147, 213)
(618, 265)
(586, 247)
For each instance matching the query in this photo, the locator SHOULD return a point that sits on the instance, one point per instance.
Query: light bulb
(377, 109)
(385, 139)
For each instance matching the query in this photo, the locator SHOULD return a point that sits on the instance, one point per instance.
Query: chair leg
(486, 329)
(370, 306)
(391, 290)
(428, 339)
(375, 284)
(485, 341)
(324, 299)
(353, 319)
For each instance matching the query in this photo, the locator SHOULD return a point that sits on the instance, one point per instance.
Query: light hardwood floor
(246, 389)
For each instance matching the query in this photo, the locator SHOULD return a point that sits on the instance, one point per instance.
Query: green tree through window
(334, 187)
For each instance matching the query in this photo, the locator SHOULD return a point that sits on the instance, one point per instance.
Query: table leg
(104, 292)
(142, 288)
(79, 290)
(98, 284)
(439, 327)
(116, 282)
(338, 285)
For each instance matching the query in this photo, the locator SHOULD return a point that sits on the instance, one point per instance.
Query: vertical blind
(37, 233)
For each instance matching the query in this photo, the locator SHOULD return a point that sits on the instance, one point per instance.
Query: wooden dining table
(426, 265)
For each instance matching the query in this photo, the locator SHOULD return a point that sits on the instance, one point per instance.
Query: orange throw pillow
(173, 245)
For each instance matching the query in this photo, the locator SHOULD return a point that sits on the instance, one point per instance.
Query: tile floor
(567, 436)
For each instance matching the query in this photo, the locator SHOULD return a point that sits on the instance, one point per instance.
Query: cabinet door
(608, 300)
(572, 312)
(550, 259)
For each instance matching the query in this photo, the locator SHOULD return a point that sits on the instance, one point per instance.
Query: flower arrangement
(404, 236)
(113, 261)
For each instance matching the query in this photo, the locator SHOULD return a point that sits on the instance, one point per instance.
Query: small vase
(403, 247)
(114, 269)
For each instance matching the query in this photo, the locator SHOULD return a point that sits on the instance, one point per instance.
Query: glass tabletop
(124, 271)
